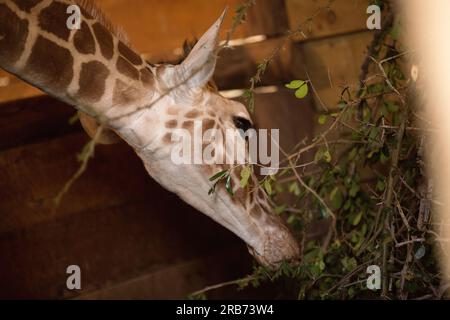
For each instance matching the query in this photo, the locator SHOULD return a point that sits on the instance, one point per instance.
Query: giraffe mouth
(278, 246)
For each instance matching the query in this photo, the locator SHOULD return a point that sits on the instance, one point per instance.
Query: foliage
(363, 177)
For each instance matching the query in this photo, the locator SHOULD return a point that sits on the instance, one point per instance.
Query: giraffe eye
(242, 123)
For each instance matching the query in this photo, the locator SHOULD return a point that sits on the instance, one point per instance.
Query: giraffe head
(183, 102)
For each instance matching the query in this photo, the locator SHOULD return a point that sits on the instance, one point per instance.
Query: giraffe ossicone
(95, 70)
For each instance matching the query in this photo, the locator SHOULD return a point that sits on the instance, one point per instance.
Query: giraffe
(95, 69)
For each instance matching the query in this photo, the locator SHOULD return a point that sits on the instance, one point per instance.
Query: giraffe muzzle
(277, 246)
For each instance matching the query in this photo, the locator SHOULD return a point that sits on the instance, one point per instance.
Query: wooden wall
(131, 238)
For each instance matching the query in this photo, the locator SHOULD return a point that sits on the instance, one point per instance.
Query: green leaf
(319, 155)
(322, 154)
(391, 107)
(336, 198)
(268, 187)
(381, 185)
(321, 265)
(357, 218)
(245, 176)
(349, 264)
(383, 158)
(351, 292)
(295, 84)
(420, 253)
(323, 119)
(327, 156)
(373, 133)
(353, 154)
(291, 219)
(294, 188)
(218, 175)
(249, 97)
(74, 119)
(280, 209)
(301, 92)
(353, 190)
(228, 186)
(313, 256)
(323, 212)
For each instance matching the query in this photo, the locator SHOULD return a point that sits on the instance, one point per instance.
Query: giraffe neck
(90, 68)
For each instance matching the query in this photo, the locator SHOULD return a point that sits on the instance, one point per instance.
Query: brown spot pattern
(147, 77)
(125, 68)
(207, 124)
(124, 94)
(53, 19)
(104, 40)
(171, 124)
(13, 35)
(129, 54)
(167, 139)
(83, 40)
(52, 63)
(192, 114)
(256, 212)
(93, 77)
(26, 5)
(188, 124)
(261, 194)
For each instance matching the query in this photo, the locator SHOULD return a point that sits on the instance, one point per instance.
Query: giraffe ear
(197, 69)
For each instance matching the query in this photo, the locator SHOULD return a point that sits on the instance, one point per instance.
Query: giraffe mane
(94, 10)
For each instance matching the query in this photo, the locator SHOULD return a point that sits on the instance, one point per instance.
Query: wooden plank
(12, 88)
(344, 16)
(335, 63)
(32, 176)
(282, 110)
(33, 120)
(158, 38)
(235, 67)
(157, 28)
(181, 279)
(110, 245)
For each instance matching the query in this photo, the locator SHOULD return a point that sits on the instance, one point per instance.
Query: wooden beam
(34, 120)
(110, 245)
(180, 279)
(335, 63)
(157, 28)
(344, 16)
(159, 40)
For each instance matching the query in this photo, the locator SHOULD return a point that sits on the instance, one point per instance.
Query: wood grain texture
(334, 64)
(157, 29)
(110, 245)
(180, 279)
(344, 16)
(32, 120)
